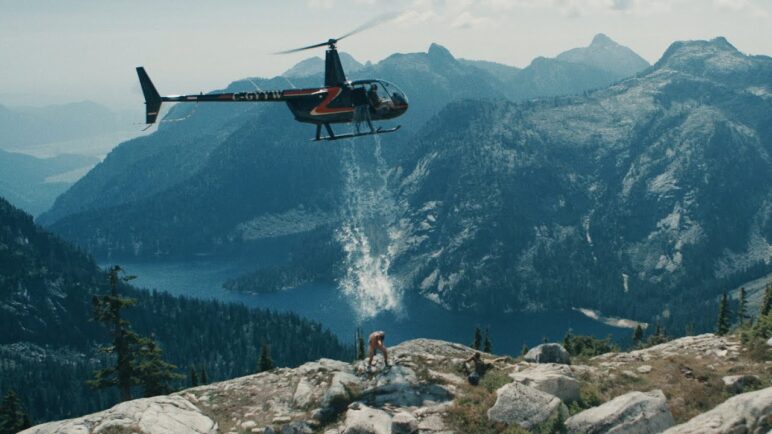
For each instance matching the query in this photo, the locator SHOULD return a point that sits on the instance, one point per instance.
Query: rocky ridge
(424, 391)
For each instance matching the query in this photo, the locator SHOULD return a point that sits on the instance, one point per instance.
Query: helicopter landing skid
(333, 136)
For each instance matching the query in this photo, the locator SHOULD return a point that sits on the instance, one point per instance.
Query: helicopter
(338, 101)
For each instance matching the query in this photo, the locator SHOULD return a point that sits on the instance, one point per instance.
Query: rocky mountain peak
(439, 53)
(426, 390)
(606, 54)
(714, 57)
(601, 40)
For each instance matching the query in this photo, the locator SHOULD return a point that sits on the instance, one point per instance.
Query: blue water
(325, 304)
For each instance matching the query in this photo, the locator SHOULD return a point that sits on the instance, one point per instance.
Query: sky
(54, 51)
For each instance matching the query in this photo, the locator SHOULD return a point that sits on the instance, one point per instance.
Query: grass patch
(469, 412)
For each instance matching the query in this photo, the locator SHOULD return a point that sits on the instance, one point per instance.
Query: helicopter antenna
(332, 42)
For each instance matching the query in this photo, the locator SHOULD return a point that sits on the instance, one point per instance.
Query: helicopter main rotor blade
(381, 19)
(370, 24)
(295, 50)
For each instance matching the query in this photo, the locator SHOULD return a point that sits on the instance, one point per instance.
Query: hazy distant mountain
(315, 66)
(24, 126)
(600, 64)
(502, 72)
(32, 183)
(605, 54)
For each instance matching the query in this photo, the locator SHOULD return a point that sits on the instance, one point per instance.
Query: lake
(324, 303)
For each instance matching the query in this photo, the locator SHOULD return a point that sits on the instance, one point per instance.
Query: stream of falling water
(368, 232)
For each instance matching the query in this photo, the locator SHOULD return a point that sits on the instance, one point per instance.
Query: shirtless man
(376, 343)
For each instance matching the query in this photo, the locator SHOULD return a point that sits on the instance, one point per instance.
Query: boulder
(157, 415)
(746, 413)
(296, 427)
(361, 419)
(769, 342)
(631, 413)
(343, 389)
(404, 423)
(739, 383)
(557, 380)
(518, 404)
(303, 395)
(548, 353)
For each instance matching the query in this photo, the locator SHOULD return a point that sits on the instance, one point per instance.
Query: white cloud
(321, 4)
(466, 20)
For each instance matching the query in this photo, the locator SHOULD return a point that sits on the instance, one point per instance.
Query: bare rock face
(548, 353)
(157, 415)
(631, 413)
(555, 379)
(518, 404)
(749, 413)
(740, 383)
(361, 419)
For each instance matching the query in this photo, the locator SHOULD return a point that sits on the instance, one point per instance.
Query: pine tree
(264, 362)
(477, 338)
(13, 418)
(742, 308)
(567, 340)
(360, 344)
(525, 349)
(153, 373)
(689, 330)
(487, 346)
(192, 377)
(203, 376)
(107, 310)
(766, 305)
(638, 335)
(722, 324)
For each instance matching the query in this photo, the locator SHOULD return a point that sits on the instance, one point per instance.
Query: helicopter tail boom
(152, 97)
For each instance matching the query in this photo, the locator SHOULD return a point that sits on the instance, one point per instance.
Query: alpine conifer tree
(766, 305)
(525, 349)
(192, 377)
(477, 338)
(722, 324)
(153, 373)
(13, 418)
(264, 362)
(125, 343)
(487, 346)
(742, 308)
(360, 344)
(638, 335)
(204, 377)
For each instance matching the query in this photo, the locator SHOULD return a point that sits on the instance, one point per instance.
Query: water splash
(368, 233)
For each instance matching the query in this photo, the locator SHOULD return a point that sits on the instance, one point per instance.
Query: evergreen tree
(638, 335)
(567, 340)
(264, 362)
(487, 346)
(13, 418)
(360, 344)
(107, 310)
(689, 330)
(203, 376)
(192, 377)
(722, 324)
(153, 373)
(477, 338)
(525, 349)
(766, 305)
(742, 308)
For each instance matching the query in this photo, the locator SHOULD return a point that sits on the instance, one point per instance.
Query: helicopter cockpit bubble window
(381, 92)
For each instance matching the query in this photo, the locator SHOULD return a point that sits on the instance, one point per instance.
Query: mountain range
(640, 190)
